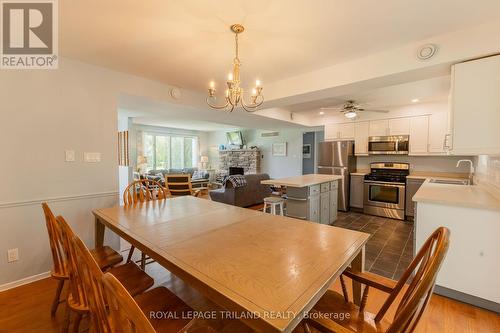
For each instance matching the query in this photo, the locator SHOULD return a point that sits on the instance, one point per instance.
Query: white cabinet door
(399, 126)
(334, 194)
(361, 138)
(476, 107)
(357, 191)
(331, 131)
(379, 127)
(314, 208)
(437, 132)
(346, 131)
(419, 135)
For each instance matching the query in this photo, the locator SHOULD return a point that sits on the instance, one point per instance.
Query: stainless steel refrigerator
(337, 158)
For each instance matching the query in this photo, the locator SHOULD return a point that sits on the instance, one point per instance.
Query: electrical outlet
(13, 255)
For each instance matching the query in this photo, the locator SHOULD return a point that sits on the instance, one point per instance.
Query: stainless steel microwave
(388, 145)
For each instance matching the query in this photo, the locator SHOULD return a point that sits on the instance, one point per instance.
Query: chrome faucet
(471, 170)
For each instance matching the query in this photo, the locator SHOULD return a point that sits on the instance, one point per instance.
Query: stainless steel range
(385, 188)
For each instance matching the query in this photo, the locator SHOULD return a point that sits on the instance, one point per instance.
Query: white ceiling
(430, 90)
(188, 43)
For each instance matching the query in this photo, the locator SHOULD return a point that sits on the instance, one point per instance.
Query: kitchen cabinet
(356, 195)
(438, 123)
(325, 207)
(334, 203)
(419, 135)
(470, 270)
(317, 203)
(343, 131)
(475, 101)
(412, 186)
(379, 127)
(361, 130)
(399, 126)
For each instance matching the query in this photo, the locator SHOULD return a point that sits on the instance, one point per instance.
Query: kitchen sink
(450, 181)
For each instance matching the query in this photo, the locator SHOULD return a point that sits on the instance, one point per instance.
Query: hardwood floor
(27, 309)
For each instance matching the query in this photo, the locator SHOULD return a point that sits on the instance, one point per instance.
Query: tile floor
(390, 249)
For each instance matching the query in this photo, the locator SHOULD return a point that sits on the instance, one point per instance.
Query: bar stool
(273, 202)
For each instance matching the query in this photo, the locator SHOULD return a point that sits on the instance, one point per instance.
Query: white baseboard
(24, 281)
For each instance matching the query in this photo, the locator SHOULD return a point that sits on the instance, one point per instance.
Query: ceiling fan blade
(335, 109)
(369, 110)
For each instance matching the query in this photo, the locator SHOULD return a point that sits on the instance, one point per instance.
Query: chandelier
(234, 93)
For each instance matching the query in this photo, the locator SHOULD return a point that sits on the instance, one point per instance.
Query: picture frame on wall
(306, 151)
(279, 149)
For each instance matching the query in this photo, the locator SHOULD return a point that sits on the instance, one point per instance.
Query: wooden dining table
(269, 270)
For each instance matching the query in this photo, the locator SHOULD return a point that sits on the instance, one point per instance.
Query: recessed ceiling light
(415, 100)
(321, 113)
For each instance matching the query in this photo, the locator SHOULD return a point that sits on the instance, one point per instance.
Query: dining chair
(180, 184)
(127, 314)
(330, 313)
(78, 300)
(141, 191)
(105, 256)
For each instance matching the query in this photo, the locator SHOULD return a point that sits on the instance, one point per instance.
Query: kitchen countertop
(302, 181)
(475, 196)
(437, 175)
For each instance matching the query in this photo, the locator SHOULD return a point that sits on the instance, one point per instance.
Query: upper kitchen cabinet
(399, 126)
(344, 131)
(361, 137)
(379, 127)
(475, 118)
(438, 124)
(419, 135)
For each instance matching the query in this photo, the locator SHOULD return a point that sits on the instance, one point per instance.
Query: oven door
(385, 195)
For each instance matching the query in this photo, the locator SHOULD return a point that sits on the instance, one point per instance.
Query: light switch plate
(12, 255)
(70, 155)
(92, 157)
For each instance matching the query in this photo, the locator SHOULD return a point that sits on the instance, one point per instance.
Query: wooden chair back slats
(124, 312)
(143, 190)
(55, 241)
(427, 263)
(179, 184)
(89, 275)
(77, 291)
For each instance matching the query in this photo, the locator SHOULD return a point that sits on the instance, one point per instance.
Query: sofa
(251, 194)
(199, 179)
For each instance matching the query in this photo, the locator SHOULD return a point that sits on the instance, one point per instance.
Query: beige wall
(43, 113)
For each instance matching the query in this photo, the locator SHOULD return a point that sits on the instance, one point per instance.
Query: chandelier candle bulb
(254, 92)
(230, 77)
(212, 84)
(257, 83)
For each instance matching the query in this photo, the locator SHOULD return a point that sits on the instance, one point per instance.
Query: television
(234, 138)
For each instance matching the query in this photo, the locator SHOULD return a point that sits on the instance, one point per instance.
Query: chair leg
(57, 298)
(273, 209)
(130, 253)
(67, 318)
(76, 324)
(143, 261)
(281, 209)
(265, 208)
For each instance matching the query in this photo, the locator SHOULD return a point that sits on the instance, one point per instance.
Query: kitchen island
(310, 197)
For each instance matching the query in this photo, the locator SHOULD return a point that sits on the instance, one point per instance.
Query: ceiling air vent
(269, 134)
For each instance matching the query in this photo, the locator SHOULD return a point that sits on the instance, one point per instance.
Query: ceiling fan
(350, 109)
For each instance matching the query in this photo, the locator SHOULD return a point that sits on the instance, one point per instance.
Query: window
(170, 151)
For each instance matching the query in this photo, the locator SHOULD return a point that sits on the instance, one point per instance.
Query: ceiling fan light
(350, 114)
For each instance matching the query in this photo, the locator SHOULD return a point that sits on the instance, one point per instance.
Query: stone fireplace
(248, 159)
